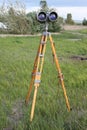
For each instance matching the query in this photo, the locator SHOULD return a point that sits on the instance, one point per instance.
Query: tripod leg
(33, 72)
(38, 75)
(33, 104)
(59, 71)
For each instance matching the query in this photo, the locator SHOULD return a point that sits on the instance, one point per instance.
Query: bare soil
(78, 58)
(74, 27)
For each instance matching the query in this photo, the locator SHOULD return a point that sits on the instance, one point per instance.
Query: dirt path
(15, 35)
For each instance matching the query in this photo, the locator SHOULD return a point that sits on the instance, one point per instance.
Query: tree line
(16, 20)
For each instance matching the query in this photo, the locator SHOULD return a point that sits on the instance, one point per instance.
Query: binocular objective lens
(42, 17)
(53, 17)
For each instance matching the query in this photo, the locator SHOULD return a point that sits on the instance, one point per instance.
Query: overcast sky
(78, 8)
(59, 2)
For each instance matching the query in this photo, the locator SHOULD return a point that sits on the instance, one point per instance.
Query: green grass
(84, 31)
(17, 56)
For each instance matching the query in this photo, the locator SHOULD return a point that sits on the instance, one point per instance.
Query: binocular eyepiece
(47, 17)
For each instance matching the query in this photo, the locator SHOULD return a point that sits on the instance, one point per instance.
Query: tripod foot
(26, 103)
(71, 109)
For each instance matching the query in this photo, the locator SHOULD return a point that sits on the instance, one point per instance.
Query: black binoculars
(47, 17)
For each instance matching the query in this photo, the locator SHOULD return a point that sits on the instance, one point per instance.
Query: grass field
(17, 56)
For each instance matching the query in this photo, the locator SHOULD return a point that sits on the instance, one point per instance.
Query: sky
(59, 3)
(78, 8)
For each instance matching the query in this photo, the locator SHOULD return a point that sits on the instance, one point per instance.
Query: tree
(2, 12)
(84, 21)
(17, 21)
(33, 23)
(43, 5)
(3, 15)
(14, 17)
(69, 19)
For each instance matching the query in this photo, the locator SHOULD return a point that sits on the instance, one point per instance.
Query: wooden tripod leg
(33, 103)
(33, 77)
(33, 73)
(38, 74)
(29, 91)
(59, 71)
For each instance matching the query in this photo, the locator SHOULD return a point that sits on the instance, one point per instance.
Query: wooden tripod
(37, 70)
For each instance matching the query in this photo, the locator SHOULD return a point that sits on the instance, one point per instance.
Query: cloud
(68, 3)
(78, 13)
(30, 9)
(56, 3)
(63, 7)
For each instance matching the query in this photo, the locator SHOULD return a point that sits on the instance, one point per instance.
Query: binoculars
(47, 17)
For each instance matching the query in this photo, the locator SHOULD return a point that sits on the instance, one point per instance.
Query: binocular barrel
(43, 17)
